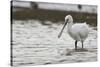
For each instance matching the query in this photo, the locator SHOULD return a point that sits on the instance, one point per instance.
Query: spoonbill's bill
(78, 31)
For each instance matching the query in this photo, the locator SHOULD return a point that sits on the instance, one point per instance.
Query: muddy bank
(54, 16)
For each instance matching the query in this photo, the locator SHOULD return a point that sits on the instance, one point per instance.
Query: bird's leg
(76, 45)
(82, 45)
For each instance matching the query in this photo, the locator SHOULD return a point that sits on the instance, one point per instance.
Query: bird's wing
(80, 29)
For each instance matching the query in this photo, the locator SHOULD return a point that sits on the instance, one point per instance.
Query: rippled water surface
(35, 44)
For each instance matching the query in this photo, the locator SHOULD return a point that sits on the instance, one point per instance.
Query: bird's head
(68, 19)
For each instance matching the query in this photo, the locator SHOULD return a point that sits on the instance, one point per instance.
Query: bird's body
(78, 31)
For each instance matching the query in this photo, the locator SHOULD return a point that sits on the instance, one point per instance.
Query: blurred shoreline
(54, 12)
(54, 15)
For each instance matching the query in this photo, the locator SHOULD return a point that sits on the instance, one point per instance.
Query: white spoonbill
(78, 31)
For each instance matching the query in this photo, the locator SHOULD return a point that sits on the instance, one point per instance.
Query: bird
(78, 31)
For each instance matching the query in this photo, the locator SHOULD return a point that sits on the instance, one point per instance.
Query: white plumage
(78, 31)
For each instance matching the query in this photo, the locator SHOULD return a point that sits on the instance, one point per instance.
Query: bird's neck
(69, 26)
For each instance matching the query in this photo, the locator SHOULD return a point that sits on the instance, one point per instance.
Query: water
(36, 44)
